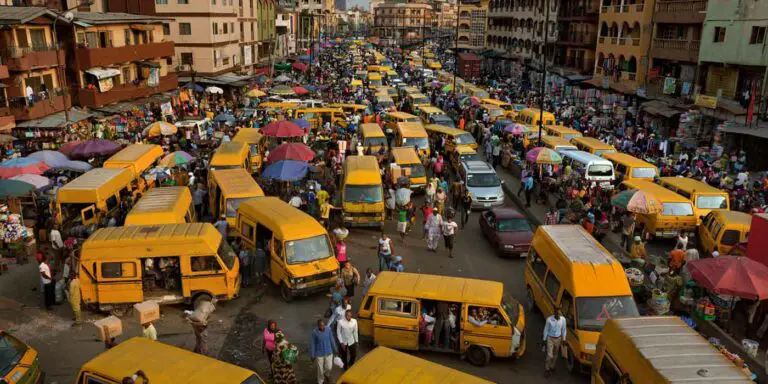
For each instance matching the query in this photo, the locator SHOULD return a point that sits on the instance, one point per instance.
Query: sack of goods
(201, 313)
(341, 233)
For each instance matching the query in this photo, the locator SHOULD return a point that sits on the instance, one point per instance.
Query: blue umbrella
(286, 170)
(224, 118)
(304, 58)
(54, 159)
(303, 124)
(76, 166)
(310, 87)
(197, 87)
(260, 79)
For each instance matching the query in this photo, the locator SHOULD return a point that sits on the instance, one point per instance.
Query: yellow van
(349, 109)
(434, 115)
(462, 154)
(592, 145)
(362, 192)
(231, 155)
(659, 349)
(255, 141)
(557, 143)
(384, 101)
(93, 196)
(374, 80)
(454, 137)
(704, 197)
(721, 230)
(406, 157)
(136, 157)
(393, 118)
(378, 68)
(169, 263)
(278, 105)
(498, 103)
(561, 131)
(227, 189)
(162, 363)
(564, 263)
(384, 365)
(494, 112)
(677, 214)
(21, 363)
(373, 137)
(412, 135)
(627, 167)
(532, 117)
(317, 116)
(165, 205)
(418, 100)
(301, 257)
(389, 314)
(476, 91)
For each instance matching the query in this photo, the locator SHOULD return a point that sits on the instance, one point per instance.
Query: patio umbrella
(637, 201)
(301, 67)
(5, 139)
(255, 93)
(291, 151)
(215, 90)
(309, 87)
(731, 275)
(448, 88)
(282, 129)
(52, 158)
(474, 100)
(159, 173)
(94, 147)
(286, 170)
(300, 90)
(69, 146)
(282, 66)
(282, 90)
(515, 129)
(224, 118)
(304, 58)
(175, 159)
(195, 87)
(303, 124)
(282, 79)
(543, 155)
(160, 128)
(76, 166)
(20, 166)
(14, 188)
(36, 180)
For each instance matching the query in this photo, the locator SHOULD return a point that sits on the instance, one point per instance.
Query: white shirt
(295, 202)
(449, 228)
(56, 241)
(430, 322)
(385, 246)
(346, 330)
(338, 313)
(30, 91)
(45, 270)
(367, 282)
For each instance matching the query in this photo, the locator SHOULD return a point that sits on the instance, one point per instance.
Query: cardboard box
(148, 311)
(111, 326)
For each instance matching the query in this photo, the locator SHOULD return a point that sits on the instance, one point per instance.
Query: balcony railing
(681, 6)
(23, 59)
(92, 97)
(56, 101)
(99, 57)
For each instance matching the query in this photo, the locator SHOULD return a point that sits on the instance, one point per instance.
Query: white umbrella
(214, 90)
(36, 180)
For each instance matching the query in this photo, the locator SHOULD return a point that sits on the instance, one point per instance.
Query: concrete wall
(738, 17)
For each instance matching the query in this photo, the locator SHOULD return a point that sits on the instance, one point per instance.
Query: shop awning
(150, 64)
(143, 27)
(659, 108)
(103, 73)
(55, 120)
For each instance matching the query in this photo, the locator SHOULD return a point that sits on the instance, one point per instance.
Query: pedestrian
(75, 297)
(284, 356)
(682, 240)
(440, 198)
(466, 208)
(434, 228)
(442, 325)
(200, 329)
(627, 230)
(57, 244)
(338, 292)
(528, 188)
(338, 312)
(322, 347)
(346, 331)
(197, 199)
(552, 217)
(222, 226)
(457, 192)
(246, 260)
(402, 222)
(369, 279)
(397, 264)
(449, 234)
(148, 331)
(46, 279)
(638, 249)
(351, 277)
(385, 251)
(341, 251)
(268, 342)
(554, 337)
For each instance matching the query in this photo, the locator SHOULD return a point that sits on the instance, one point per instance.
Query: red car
(507, 230)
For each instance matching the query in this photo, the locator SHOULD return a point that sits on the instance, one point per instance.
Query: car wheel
(571, 363)
(479, 356)
(286, 293)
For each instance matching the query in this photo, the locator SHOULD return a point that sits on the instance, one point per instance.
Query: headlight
(292, 280)
(335, 272)
(509, 247)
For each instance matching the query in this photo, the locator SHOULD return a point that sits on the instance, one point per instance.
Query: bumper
(303, 290)
(487, 204)
(370, 221)
(521, 251)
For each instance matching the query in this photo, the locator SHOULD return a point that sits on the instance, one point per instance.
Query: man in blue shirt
(528, 188)
(554, 336)
(321, 350)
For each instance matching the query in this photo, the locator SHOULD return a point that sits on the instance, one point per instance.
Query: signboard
(287, 4)
(706, 101)
(247, 55)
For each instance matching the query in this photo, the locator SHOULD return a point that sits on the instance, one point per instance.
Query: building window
(127, 75)
(166, 29)
(213, 2)
(215, 28)
(185, 29)
(183, 1)
(186, 58)
(719, 35)
(226, 28)
(758, 35)
(161, 1)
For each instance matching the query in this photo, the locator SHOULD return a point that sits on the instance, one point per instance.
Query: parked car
(507, 230)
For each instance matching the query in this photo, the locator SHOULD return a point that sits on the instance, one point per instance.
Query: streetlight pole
(456, 47)
(544, 72)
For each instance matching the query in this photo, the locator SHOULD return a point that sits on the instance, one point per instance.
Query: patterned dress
(283, 371)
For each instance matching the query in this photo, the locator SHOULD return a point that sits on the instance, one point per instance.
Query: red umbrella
(300, 90)
(69, 146)
(301, 67)
(291, 151)
(732, 275)
(282, 128)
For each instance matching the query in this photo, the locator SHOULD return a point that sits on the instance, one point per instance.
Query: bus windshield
(232, 205)
(375, 141)
(593, 312)
(600, 170)
(420, 142)
(306, 250)
(676, 209)
(644, 173)
(711, 202)
(465, 139)
(363, 193)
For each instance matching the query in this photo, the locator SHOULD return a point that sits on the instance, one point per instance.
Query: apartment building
(517, 27)
(7, 120)
(402, 23)
(577, 36)
(314, 17)
(445, 17)
(257, 23)
(473, 24)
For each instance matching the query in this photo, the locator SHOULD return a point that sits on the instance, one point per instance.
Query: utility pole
(456, 47)
(544, 72)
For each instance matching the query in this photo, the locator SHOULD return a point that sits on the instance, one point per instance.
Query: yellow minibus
(255, 141)
(592, 145)
(93, 196)
(454, 137)
(231, 155)
(318, 116)
(406, 158)
(561, 131)
(676, 216)
(412, 135)
(227, 189)
(136, 157)
(373, 137)
(532, 117)
(21, 363)
(628, 167)
(374, 80)
(164, 205)
(721, 230)
(362, 192)
(704, 197)
(557, 143)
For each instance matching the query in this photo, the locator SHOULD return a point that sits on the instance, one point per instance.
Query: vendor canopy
(103, 73)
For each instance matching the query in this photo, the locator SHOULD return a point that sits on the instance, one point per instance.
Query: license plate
(486, 205)
(301, 286)
(524, 254)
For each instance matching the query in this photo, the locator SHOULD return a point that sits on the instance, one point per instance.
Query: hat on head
(637, 238)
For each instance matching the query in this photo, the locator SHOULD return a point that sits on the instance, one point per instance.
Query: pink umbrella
(301, 67)
(282, 129)
(732, 275)
(69, 146)
(291, 151)
(474, 100)
(21, 166)
(515, 129)
(300, 90)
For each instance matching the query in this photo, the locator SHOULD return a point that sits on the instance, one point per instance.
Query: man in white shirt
(56, 242)
(295, 201)
(554, 336)
(346, 331)
(339, 312)
(46, 278)
(449, 233)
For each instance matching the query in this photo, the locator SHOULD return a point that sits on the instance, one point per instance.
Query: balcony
(678, 50)
(120, 92)
(680, 11)
(7, 121)
(3, 71)
(21, 110)
(29, 58)
(618, 8)
(577, 39)
(99, 57)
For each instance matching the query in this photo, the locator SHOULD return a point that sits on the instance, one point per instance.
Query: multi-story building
(732, 56)
(285, 28)
(445, 16)
(7, 120)
(117, 56)
(473, 24)
(622, 45)
(341, 4)
(577, 36)
(674, 52)
(205, 34)
(518, 27)
(401, 23)
(35, 61)
(314, 19)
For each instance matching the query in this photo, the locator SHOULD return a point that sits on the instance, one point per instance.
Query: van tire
(285, 293)
(571, 363)
(479, 356)
(201, 297)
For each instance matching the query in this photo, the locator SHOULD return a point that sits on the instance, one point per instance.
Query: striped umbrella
(174, 159)
(637, 201)
(21, 166)
(543, 155)
(515, 129)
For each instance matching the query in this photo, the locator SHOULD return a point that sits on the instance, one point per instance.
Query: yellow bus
(393, 118)
(722, 230)
(454, 137)
(557, 143)
(412, 135)
(317, 116)
(255, 141)
(227, 189)
(21, 363)
(532, 117)
(93, 196)
(676, 216)
(231, 155)
(136, 157)
(561, 131)
(349, 109)
(406, 158)
(704, 197)
(362, 192)
(628, 167)
(373, 137)
(164, 205)
(592, 145)
(374, 80)
(171, 263)
(163, 364)
(498, 103)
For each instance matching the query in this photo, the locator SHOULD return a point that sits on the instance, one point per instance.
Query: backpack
(290, 354)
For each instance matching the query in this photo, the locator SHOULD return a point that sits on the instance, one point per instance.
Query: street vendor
(638, 249)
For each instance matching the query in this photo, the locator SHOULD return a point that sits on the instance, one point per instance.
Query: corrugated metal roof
(55, 120)
(96, 18)
(21, 15)
(582, 247)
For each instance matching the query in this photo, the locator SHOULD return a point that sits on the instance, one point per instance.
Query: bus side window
(205, 264)
(610, 373)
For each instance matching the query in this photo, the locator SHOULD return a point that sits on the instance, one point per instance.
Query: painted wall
(738, 18)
